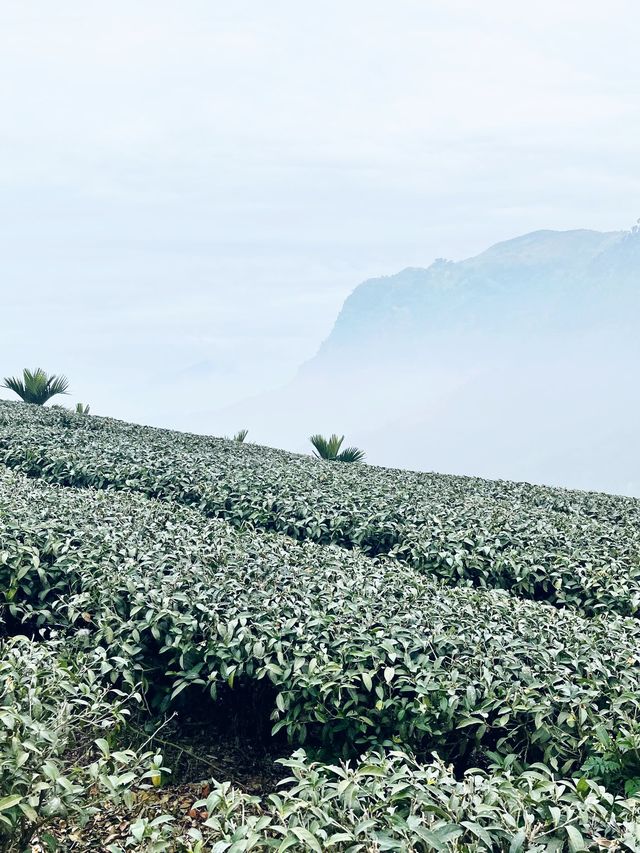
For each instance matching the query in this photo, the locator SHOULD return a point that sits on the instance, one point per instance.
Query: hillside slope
(576, 548)
(469, 648)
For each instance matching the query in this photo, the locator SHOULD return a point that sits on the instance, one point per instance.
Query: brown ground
(195, 753)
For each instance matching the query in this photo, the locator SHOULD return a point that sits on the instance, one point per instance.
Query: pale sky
(189, 190)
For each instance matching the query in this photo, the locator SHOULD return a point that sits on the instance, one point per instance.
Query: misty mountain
(544, 283)
(522, 363)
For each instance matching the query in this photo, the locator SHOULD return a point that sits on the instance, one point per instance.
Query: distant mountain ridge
(520, 363)
(553, 278)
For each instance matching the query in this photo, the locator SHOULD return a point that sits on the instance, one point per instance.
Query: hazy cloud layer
(189, 191)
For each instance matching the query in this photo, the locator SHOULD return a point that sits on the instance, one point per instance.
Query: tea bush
(52, 710)
(387, 801)
(378, 615)
(390, 802)
(359, 651)
(567, 548)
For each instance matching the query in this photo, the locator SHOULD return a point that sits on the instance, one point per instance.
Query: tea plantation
(442, 663)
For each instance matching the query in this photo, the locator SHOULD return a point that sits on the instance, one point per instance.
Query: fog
(189, 194)
(521, 363)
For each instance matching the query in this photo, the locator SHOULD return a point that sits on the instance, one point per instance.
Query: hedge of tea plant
(339, 649)
(389, 618)
(388, 801)
(564, 547)
(56, 720)
(57, 766)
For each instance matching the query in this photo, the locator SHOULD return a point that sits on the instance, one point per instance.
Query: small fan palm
(351, 454)
(36, 386)
(82, 409)
(241, 435)
(329, 448)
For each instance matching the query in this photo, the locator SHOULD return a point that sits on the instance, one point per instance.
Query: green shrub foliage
(468, 648)
(360, 651)
(575, 549)
(52, 710)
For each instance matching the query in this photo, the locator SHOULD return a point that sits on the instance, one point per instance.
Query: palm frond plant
(351, 454)
(82, 409)
(329, 448)
(241, 435)
(36, 386)
(326, 448)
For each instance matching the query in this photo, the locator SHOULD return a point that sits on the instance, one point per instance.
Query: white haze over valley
(519, 364)
(190, 192)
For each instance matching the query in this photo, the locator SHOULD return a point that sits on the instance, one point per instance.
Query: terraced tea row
(336, 647)
(53, 710)
(567, 548)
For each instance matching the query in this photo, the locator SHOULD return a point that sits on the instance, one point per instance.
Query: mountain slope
(521, 362)
(547, 278)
